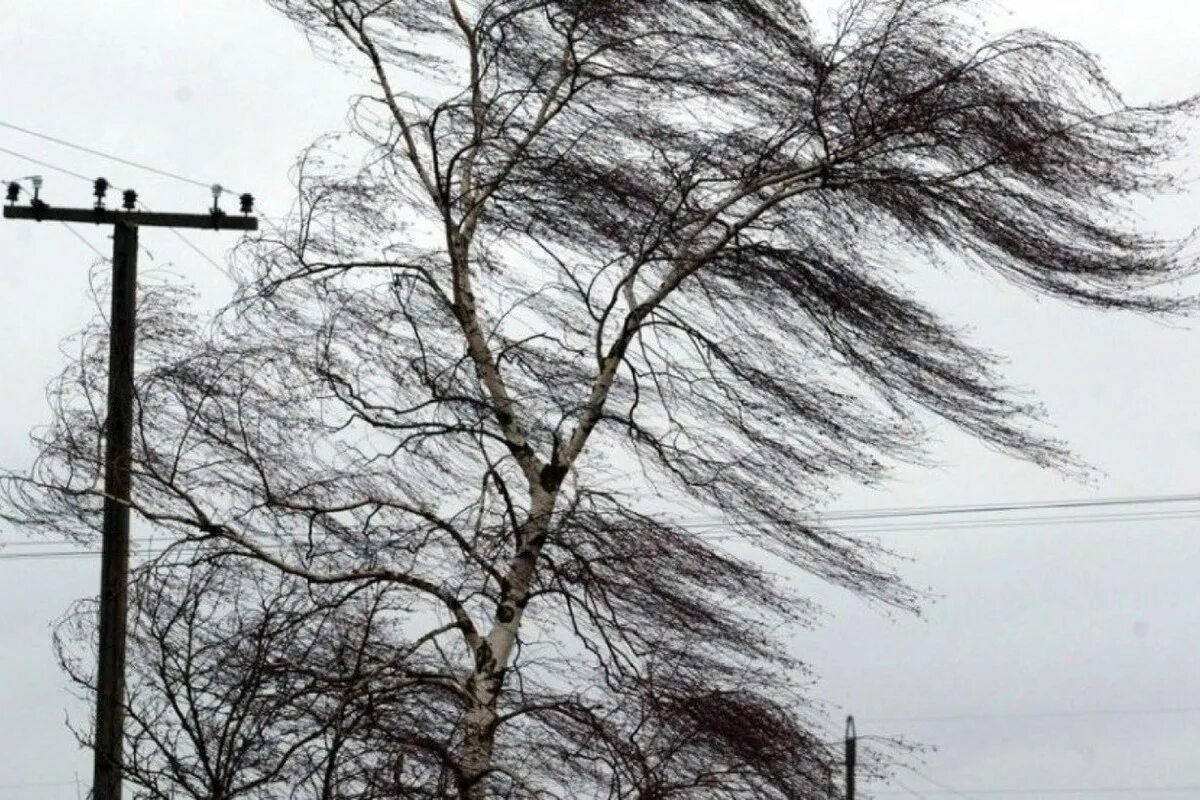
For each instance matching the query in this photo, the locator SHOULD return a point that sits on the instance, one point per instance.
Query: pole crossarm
(105, 216)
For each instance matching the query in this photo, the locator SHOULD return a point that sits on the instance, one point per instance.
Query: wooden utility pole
(851, 756)
(118, 441)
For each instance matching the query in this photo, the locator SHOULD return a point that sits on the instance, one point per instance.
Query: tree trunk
(476, 760)
(495, 651)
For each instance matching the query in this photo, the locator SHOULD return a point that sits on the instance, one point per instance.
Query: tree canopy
(564, 347)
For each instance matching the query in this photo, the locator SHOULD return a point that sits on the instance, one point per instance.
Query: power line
(1025, 521)
(907, 789)
(941, 786)
(52, 555)
(115, 158)
(710, 530)
(110, 156)
(714, 527)
(46, 164)
(712, 535)
(1064, 714)
(143, 547)
(86, 243)
(73, 232)
(984, 508)
(115, 187)
(905, 512)
(120, 160)
(1056, 790)
(200, 252)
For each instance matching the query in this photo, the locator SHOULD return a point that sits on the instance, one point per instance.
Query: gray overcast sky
(1045, 618)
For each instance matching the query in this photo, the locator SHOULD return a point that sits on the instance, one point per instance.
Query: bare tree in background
(567, 342)
(240, 684)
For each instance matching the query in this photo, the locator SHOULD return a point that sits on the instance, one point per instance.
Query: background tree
(594, 273)
(215, 706)
(245, 685)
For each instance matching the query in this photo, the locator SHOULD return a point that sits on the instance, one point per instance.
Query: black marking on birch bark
(523, 450)
(504, 418)
(484, 660)
(552, 476)
(505, 614)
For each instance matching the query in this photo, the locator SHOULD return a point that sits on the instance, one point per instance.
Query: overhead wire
(981, 508)
(109, 156)
(179, 234)
(126, 161)
(120, 160)
(1054, 790)
(907, 789)
(712, 529)
(1027, 715)
(45, 164)
(200, 252)
(1020, 521)
(86, 243)
(70, 230)
(942, 787)
(147, 550)
(754, 529)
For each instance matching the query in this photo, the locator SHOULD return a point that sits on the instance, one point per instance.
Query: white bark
(494, 654)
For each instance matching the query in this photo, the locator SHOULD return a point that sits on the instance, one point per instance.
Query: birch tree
(569, 338)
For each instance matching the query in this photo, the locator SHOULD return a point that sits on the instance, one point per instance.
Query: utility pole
(851, 756)
(118, 440)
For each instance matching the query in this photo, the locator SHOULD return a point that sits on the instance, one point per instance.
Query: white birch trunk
(495, 652)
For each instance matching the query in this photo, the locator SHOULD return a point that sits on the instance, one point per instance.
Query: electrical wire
(200, 252)
(907, 789)
(73, 554)
(922, 511)
(192, 245)
(711, 530)
(1019, 715)
(941, 786)
(968, 525)
(45, 164)
(110, 157)
(1056, 790)
(120, 160)
(1021, 521)
(751, 530)
(86, 243)
(71, 230)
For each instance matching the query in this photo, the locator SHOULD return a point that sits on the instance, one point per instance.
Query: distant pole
(118, 444)
(851, 756)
